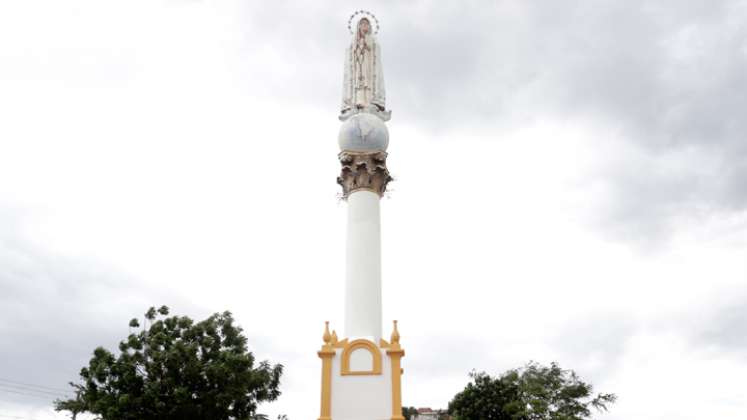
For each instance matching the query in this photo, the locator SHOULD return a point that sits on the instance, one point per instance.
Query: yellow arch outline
(360, 343)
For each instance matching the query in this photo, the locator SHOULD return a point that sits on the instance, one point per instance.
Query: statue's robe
(363, 81)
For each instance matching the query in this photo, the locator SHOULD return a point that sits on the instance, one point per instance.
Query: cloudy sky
(571, 186)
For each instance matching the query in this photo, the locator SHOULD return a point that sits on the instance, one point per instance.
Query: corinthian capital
(363, 171)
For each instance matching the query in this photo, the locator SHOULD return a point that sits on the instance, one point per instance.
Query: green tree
(175, 369)
(409, 412)
(533, 392)
(488, 398)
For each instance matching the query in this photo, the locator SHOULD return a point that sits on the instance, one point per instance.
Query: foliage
(533, 392)
(409, 412)
(488, 398)
(176, 369)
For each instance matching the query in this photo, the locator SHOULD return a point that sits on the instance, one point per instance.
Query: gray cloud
(723, 327)
(668, 78)
(474, 354)
(56, 310)
(603, 338)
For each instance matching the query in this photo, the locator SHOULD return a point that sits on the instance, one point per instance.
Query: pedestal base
(361, 380)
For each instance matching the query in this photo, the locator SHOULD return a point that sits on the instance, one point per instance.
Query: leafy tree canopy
(533, 392)
(409, 412)
(176, 369)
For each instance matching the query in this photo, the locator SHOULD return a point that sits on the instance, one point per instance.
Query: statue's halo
(361, 14)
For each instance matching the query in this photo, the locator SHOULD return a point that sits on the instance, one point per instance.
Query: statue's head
(361, 24)
(364, 27)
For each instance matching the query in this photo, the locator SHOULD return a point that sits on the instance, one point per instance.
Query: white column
(363, 267)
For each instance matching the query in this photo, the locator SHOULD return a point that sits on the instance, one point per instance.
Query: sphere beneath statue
(363, 132)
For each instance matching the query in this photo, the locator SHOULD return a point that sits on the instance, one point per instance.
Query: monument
(361, 373)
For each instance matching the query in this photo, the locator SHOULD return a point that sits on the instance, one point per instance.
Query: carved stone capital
(363, 171)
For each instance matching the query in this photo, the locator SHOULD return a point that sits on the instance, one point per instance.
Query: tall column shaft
(363, 178)
(363, 266)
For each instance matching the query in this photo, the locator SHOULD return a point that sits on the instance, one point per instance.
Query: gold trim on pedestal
(367, 345)
(396, 353)
(326, 354)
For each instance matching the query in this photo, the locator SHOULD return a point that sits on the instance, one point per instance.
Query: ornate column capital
(363, 171)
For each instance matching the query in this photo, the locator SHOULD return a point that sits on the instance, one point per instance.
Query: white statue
(363, 82)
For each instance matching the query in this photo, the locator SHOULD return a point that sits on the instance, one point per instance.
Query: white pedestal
(361, 380)
(362, 397)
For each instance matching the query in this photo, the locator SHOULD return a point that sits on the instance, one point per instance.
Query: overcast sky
(571, 186)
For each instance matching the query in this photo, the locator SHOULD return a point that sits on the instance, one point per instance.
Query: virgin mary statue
(363, 83)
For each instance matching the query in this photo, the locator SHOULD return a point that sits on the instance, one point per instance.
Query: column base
(360, 376)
